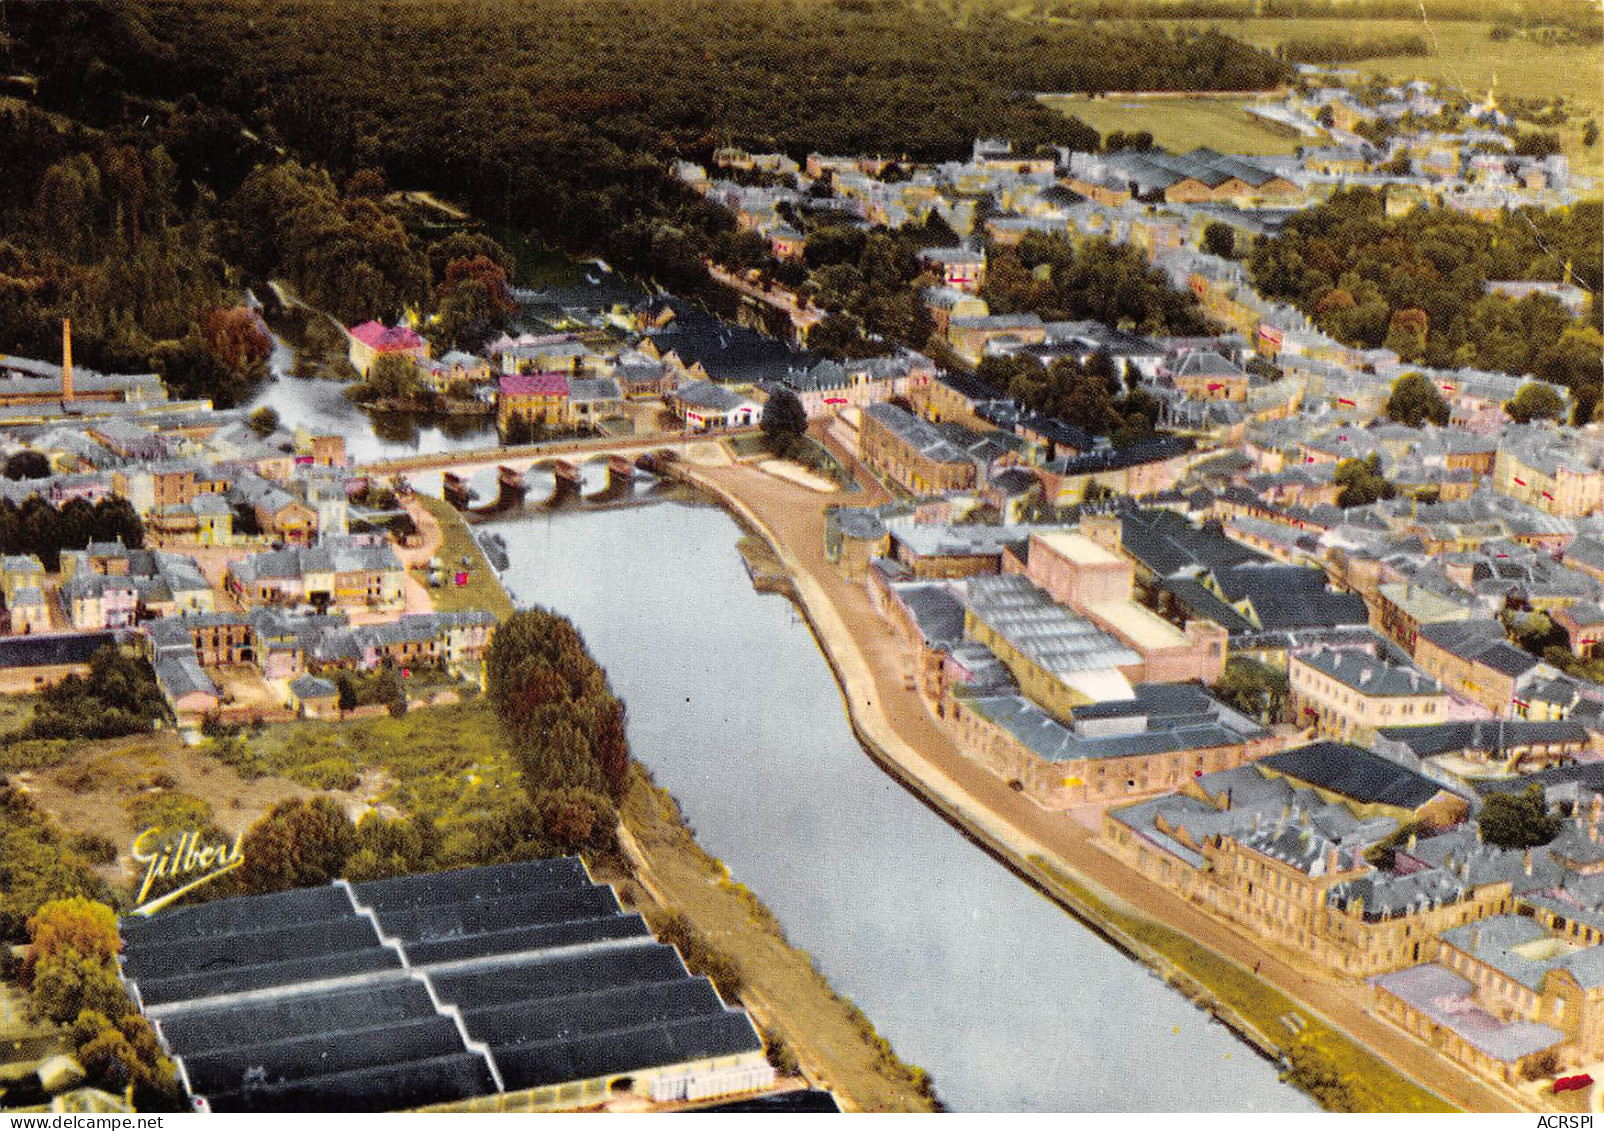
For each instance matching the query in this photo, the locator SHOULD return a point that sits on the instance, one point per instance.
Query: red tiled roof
(385, 339)
(535, 384)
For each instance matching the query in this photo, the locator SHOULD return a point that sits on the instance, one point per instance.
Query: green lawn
(451, 762)
(483, 590)
(1179, 124)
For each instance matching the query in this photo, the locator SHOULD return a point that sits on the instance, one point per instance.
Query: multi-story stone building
(1348, 695)
(913, 452)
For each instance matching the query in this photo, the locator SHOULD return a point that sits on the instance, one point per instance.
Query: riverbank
(1338, 1051)
(835, 1046)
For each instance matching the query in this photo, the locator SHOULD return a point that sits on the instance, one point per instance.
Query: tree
(1538, 143)
(110, 1061)
(1590, 133)
(391, 377)
(1415, 400)
(83, 925)
(300, 843)
(611, 746)
(1362, 482)
(68, 966)
(123, 1053)
(1255, 689)
(347, 691)
(27, 464)
(239, 340)
(473, 301)
(117, 697)
(264, 421)
(466, 245)
(784, 423)
(1534, 401)
(65, 984)
(1219, 239)
(1518, 820)
(1406, 333)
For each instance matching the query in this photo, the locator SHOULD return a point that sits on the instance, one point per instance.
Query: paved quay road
(1008, 1002)
(869, 659)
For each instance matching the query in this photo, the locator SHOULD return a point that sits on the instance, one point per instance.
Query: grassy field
(483, 590)
(1465, 55)
(449, 761)
(1179, 123)
(1462, 55)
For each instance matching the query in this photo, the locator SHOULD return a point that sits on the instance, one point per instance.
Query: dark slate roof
(1369, 676)
(1199, 602)
(971, 388)
(1490, 735)
(1482, 641)
(1113, 459)
(1354, 773)
(347, 997)
(1285, 597)
(1152, 701)
(936, 610)
(1168, 544)
(42, 651)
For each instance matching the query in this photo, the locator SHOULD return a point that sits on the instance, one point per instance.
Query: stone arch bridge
(565, 460)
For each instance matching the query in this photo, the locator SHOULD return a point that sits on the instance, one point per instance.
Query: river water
(1009, 1003)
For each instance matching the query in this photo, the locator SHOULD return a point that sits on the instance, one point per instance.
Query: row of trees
(564, 725)
(1514, 11)
(37, 865)
(36, 527)
(1348, 49)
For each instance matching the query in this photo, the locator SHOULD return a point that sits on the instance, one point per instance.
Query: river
(1010, 1003)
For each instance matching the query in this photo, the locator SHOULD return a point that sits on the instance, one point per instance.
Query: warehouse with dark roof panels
(518, 987)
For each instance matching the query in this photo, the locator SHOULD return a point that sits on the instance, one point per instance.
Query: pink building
(371, 340)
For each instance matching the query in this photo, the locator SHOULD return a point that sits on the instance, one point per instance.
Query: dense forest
(1416, 284)
(558, 115)
(146, 234)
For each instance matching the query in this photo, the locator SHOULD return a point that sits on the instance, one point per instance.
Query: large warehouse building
(519, 987)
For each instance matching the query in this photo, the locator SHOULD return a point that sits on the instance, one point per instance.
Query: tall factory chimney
(66, 361)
